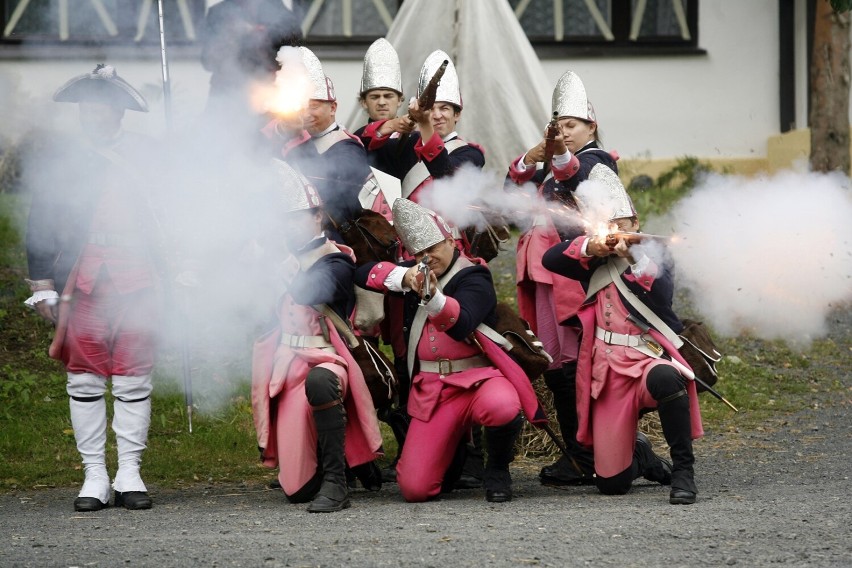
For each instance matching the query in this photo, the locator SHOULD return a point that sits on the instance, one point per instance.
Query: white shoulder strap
(646, 312)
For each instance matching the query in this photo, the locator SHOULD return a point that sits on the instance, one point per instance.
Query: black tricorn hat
(102, 85)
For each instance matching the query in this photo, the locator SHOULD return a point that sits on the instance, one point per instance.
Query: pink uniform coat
(286, 433)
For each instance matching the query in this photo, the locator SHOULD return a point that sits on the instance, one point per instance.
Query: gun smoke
(769, 256)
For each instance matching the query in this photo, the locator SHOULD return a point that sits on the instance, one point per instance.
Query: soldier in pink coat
(459, 377)
(545, 299)
(626, 366)
(312, 410)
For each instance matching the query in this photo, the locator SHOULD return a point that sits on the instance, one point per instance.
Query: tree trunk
(829, 91)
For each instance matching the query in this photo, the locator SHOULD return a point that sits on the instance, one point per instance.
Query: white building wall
(724, 104)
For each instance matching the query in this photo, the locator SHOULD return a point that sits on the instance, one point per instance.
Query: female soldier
(546, 300)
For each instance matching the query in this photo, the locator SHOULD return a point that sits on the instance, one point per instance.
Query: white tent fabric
(505, 91)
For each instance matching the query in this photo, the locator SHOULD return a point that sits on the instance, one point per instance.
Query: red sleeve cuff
(518, 176)
(431, 149)
(448, 316)
(372, 132)
(575, 251)
(378, 275)
(561, 173)
(649, 275)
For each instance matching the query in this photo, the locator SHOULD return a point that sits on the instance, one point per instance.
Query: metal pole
(167, 106)
(167, 87)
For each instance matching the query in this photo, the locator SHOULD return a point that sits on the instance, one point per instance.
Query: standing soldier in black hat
(91, 274)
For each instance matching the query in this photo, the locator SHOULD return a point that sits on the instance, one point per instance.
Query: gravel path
(769, 497)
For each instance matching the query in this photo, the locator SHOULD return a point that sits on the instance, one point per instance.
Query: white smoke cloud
(462, 197)
(770, 256)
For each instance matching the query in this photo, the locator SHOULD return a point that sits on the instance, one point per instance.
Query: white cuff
(42, 295)
(584, 247)
(560, 160)
(520, 165)
(436, 304)
(393, 282)
(640, 266)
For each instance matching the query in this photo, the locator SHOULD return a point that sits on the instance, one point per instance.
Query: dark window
(553, 26)
(99, 21)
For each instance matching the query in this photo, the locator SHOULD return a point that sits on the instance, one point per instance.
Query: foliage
(841, 5)
(669, 187)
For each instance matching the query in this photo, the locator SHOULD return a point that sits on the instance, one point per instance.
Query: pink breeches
(111, 333)
(429, 446)
(615, 414)
(560, 341)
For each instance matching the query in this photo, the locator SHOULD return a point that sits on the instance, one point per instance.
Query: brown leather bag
(700, 352)
(523, 346)
(379, 373)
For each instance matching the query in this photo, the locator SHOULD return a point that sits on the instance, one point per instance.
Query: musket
(167, 106)
(562, 448)
(550, 139)
(427, 99)
(423, 279)
(630, 238)
(659, 349)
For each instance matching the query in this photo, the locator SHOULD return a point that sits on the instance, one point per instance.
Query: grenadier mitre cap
(381, 68)
(297, 193)
(569, 98)
(323, 88)
(618, 202)
(102, 85)
(418, 228)
(448, 89)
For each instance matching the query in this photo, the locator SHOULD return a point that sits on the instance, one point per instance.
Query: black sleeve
(445, 163)
(328, 281)
(555, 261)
(473, 289)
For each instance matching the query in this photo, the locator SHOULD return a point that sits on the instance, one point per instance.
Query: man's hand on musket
(419, 116)
(402, 124)
(414, 280)
(598, 246)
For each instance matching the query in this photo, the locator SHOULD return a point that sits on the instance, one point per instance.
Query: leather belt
(613, 338)
(448, 366)
(114, 240)
(304, 341)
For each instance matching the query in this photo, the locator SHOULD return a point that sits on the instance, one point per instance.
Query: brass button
(434, 349)
(432, 338)
(379, 265)
(452, 320)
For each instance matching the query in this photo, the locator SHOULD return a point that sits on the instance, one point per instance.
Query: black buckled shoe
(498, 485)
(133, 500)
(467, 482)
(498, 496)
(654, 468)
(562, 472)
(88, 504)
(325, 504)
(681, 497)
